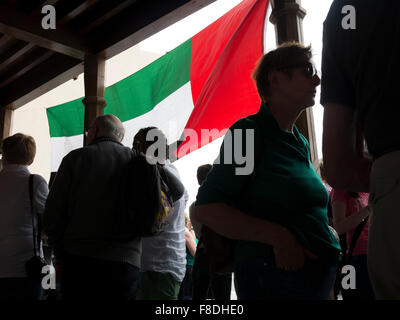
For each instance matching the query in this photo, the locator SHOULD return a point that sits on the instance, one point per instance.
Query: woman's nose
(316, 80)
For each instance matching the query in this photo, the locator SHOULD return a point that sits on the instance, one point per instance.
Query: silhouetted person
(207, 283)
(163, 260)
(278, 213)
(360, 69)
(16, 215)
(97, 258)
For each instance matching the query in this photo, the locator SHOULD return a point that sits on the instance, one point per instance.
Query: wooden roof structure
(35, 60)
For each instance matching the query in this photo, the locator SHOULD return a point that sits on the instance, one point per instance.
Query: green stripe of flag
(130, 97)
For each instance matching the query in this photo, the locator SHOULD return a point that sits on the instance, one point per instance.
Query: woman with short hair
(278, 213)
(16, 230)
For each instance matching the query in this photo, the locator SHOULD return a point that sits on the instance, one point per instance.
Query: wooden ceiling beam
(33, 7)
(29, 29)
(116, 9)
(5, 40)
(77, 11)
(131, 26)
(14, 53)
(26, 63)
(44, 77)
(38, 9)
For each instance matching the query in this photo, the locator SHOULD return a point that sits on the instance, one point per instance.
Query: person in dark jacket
(359, 93)
(96, 257)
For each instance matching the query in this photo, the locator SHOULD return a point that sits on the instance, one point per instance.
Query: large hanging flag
(204, 84)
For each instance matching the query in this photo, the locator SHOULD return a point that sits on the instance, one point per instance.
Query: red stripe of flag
(223, 58)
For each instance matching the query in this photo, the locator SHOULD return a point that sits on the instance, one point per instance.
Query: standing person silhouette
(207, 283)
(360, 69)
(18, 218)
(278, 214)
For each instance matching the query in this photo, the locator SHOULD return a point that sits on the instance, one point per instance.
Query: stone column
(94, 102)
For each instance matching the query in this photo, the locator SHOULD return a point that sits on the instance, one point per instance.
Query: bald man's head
(106, 125)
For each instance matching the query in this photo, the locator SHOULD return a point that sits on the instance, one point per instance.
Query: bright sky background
(174, 35)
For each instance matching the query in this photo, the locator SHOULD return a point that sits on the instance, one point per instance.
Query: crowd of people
(284, 222)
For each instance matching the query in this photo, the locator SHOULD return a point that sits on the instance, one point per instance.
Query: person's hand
(289, 254)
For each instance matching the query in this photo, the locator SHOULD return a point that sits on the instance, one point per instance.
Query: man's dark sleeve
(336, 82)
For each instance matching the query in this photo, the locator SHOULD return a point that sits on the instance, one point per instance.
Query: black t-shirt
(361, 67)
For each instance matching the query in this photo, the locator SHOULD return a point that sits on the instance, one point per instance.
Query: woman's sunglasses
(308, 68)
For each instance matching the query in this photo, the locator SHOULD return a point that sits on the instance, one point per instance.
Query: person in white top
(163, 261)
(16, 232)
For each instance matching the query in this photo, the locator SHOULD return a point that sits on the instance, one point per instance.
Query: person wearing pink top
(349, 209)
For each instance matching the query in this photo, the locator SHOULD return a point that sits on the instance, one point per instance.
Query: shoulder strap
(32, 212)
(356, 235)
